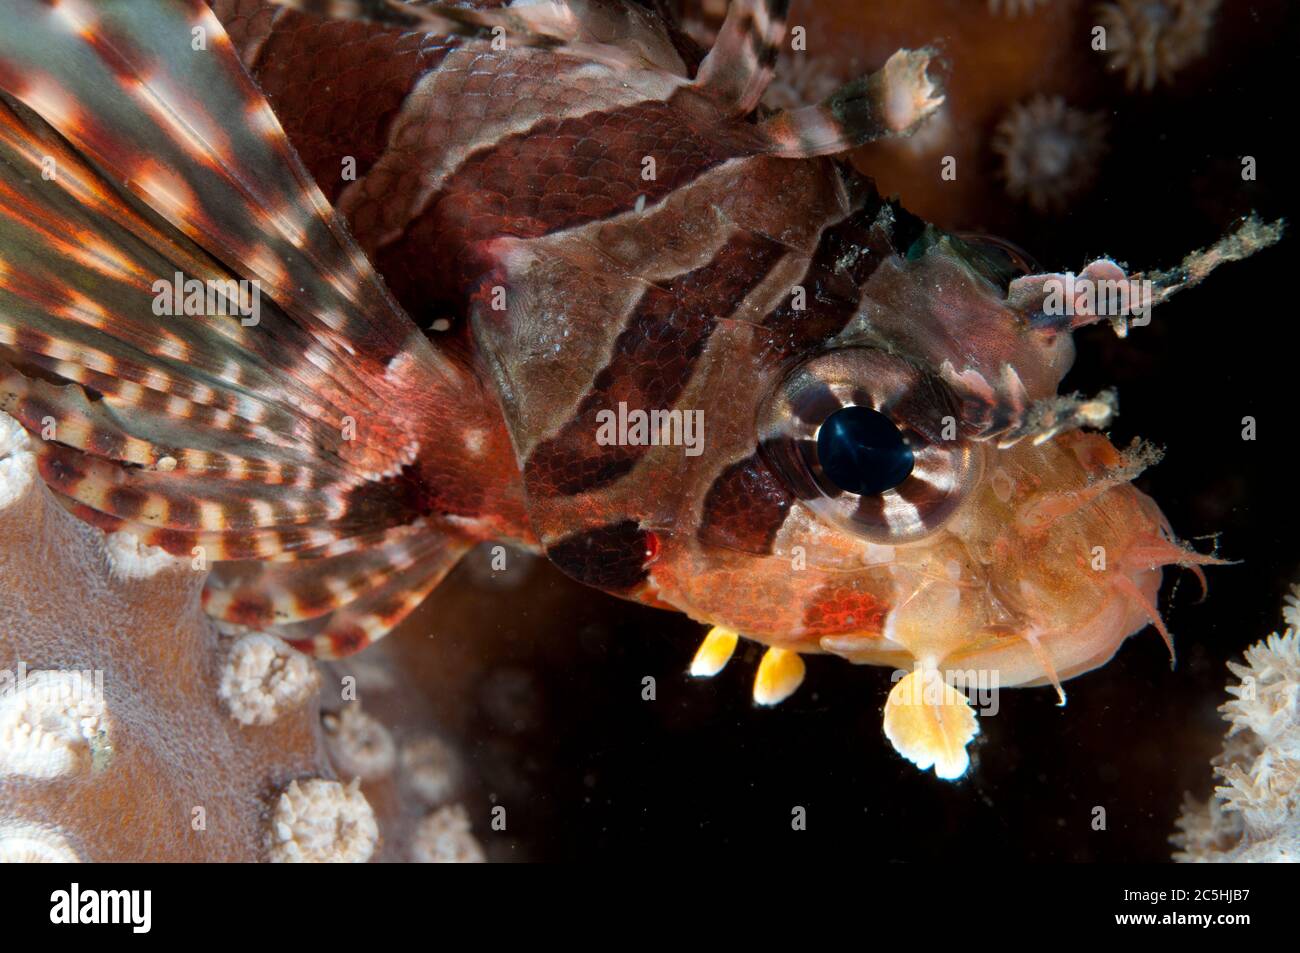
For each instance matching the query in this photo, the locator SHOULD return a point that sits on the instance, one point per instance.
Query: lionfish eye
(861, 451)
(870, 443)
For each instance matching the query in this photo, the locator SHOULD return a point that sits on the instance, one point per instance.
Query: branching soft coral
(1253, 815)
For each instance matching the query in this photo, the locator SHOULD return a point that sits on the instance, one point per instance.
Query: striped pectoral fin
(893, 101)
(156, 95)
(276, 543)
(738, 69)
(39, 405)
(138, 163)
(298, 590)
(334, 606)
(192, 440)
(81, 271)
(370, 618)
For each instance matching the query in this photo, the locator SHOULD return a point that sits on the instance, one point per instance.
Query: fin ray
(737, 70)
(262, 439)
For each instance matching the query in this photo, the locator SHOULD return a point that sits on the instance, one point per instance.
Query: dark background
(541, 683)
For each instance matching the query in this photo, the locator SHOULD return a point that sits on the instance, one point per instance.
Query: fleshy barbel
(627, 317)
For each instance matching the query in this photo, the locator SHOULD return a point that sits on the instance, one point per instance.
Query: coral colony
(290, 322)
(119, 727)
(1049, 151)
(1253, 815)
(1150, 41)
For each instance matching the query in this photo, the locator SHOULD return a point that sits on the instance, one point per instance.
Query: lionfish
(577, 212)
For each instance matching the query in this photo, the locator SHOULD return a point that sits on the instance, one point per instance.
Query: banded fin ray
(129, 155)
(252, 424)
(78, 266)
(218, 166)
(737, 70)
(262, 594)
(376, 612)
(893, 101)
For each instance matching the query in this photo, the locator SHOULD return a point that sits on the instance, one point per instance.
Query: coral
(262, 678)
(381, 737)
(1151, 40)
(444, 838)
(1049, 151)
(430, 768)
(359, 745)
(134, 728)
(115, 741)
(1253, 815)
(22, 843)
(50, 723)
(322, 822)
(1291, 608)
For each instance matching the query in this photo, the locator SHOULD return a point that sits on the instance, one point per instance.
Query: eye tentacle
(1006, 414)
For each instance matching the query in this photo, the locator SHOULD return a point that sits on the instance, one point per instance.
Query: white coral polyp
(128, 558)
(321, 821)
(1267, 701)
(263, 678)
(444, 837)
(430, 769)
(1253, 816)
(50, 722)
(23, 843)
(359, 745)
(17, 465)
(1291, 608)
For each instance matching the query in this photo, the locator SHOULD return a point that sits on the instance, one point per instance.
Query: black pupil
(861, 451)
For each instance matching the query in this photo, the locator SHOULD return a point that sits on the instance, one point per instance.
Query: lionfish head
(919, 495)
